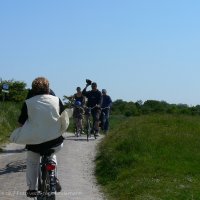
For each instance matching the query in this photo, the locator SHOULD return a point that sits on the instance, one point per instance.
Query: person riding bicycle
(78, 96)
(93, 101)
(105, 110)
(78, 117)
(40, 129)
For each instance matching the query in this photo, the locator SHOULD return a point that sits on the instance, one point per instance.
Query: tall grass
(151, 157)
(9, 113)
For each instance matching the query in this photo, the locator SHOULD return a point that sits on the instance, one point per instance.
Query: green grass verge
(151, 157)
(9, 113)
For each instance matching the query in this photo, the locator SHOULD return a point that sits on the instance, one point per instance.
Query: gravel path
(75, 171)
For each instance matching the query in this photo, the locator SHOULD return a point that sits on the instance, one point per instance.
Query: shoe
(31, 193)
(58, 186)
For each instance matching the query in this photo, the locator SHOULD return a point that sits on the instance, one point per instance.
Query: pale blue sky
(136, 49)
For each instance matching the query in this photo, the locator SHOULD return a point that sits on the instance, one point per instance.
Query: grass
(151, 157)
(9, 113)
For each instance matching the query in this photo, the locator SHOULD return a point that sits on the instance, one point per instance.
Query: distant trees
(16, 91)
(152, 106)
(126, 108)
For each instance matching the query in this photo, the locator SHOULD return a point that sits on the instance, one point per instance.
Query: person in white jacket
(41, 128)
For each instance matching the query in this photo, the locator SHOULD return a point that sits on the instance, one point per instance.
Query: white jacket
(44, 122)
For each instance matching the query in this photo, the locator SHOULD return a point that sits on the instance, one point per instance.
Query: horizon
(140, 101)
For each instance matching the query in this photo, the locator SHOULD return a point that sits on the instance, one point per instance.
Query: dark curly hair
(40, 86)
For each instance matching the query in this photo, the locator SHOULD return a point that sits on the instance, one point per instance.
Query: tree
(17, 91)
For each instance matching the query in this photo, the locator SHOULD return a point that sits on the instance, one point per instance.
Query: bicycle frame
(89, 123)
(47, 177)
(88, 126)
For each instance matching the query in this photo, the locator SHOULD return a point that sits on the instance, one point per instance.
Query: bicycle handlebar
(108, 107)
(90, 108)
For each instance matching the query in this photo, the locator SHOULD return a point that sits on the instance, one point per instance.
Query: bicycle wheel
(88, 129)
(40, 195)
(44, 187)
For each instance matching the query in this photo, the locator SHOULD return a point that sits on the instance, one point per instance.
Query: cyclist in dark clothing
(94, 101)
(105, 110)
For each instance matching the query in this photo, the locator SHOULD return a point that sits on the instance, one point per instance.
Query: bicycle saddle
(47, 152)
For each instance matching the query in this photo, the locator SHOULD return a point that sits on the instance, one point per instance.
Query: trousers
(32, 165)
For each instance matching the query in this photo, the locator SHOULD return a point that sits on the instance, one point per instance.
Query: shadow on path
(81, 138)
(14, 167)
(13, 150)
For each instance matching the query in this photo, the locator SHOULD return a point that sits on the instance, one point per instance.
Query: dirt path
(75, 171)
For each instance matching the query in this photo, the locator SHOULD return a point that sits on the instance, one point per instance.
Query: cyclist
(40, 129)
(78, 96)
(105, 110)
(78, 117)
(77, 101)
(93, 100)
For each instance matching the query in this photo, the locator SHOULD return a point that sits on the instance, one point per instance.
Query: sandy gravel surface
(75, 171)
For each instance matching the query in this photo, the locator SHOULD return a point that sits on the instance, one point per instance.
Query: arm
(84, 92)
(110, 101)
(61, 107)
(23, 115)
(24, 112)
(83, 101)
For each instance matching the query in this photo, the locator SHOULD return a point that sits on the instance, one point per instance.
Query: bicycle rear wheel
(44, 187)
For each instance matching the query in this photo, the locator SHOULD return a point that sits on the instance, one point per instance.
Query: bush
(17, 91)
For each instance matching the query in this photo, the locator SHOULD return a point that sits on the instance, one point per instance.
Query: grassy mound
(151, 157)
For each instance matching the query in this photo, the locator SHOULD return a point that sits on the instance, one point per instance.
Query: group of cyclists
(41, 122)
(94, 102)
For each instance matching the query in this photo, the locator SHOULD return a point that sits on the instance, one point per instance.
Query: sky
(137, 50)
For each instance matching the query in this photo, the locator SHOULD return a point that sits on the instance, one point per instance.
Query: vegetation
(151, 157)
(151, 152)
(152, 106)
(9, 113)
(11, 99)
(17, 91)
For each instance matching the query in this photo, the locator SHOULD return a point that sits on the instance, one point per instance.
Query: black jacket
(94, 97)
